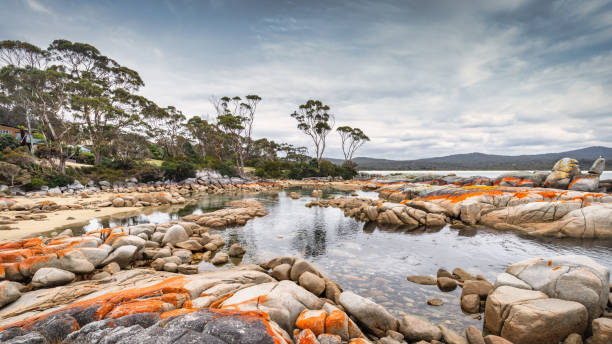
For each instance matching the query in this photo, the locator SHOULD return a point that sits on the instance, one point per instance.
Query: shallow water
(371, 261)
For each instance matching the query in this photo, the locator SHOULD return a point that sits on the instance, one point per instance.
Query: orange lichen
(306, 337)
(336, 322)
(176, 312)
(150, 305)
(313, 320)
(358, 341)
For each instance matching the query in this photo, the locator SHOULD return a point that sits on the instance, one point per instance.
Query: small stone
(474, 336)
(112, 268)
(602, 331)
(236, 251)
(424, 280)
(492, 339)
(220, 258)
(480, 288)
(462, 275)
(470, 303)
(188, 269)
(447, 284)
(435, 302)
(415, 329)
(443, 273)
(210, 247)
(312, 283)
(51, 277)
(451, 337)
(281, 272)
(171, 267)
(573, 338)
(100, 275)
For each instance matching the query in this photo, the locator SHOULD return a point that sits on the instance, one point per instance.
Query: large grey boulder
(585, 182)
(129, 240)
(51, 277)
(598, 166)
(544, 321)
(123, 256)
(374, 316)
(75, 261)
(175, 234)
(502, 300)
(94, 255)
(9, 292)
(572, 278)
(415, 329)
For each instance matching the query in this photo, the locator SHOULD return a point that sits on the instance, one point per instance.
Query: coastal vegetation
(85, 108)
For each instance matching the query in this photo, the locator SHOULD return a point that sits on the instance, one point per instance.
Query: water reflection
(374, 261)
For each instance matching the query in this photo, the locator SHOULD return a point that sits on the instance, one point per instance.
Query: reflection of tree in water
(311, 239)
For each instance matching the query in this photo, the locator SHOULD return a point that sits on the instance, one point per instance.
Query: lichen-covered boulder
(585, 182)
(572, 278)
(562, 173)
(598, 166)
(51, 277)
(9, 292)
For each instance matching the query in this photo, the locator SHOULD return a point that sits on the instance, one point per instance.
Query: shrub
(145, 172)
(57, 179)
(178, 171)
(35, 183)
(8, 141)
(85, 158)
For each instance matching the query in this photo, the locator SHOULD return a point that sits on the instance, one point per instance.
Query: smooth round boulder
(374, 316)
(51, 277)
(281, 272)
(236, 250)
(9, 292)
(220, 258)
(602, 331)
(424, 280)
(175, 234)
(123, 256)
(447, 284)
(312, 283)
(470, 303)
(415, 329)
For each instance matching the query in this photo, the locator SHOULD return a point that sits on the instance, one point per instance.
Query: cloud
(420, 78)
(37, 6)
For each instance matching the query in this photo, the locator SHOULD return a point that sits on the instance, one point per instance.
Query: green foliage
(145, 172)
(58, 179)
(85, 158)
(8, 141)
(269, 169)
(35, 183)
(156, 152)
(178, 170)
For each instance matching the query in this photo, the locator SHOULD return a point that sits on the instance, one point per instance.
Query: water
(488, 174)
(371, 261)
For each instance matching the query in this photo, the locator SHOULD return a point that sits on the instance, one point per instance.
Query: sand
(59, 219)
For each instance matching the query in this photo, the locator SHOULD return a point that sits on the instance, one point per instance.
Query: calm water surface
(371, 261)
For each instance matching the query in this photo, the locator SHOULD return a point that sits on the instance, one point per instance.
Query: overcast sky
(421, 78)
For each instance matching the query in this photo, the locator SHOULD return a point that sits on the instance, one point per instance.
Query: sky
(420, 78)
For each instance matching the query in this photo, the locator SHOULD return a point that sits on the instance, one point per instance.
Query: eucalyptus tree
(315, 120)
(235, 118)
(210, 139)
(102, 94)
(352, 139)
(18, 55)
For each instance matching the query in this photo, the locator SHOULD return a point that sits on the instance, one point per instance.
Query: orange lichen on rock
(359, 341)
(176, 312)
(337, 322)
(313, 320)
(151, 305)
(305, 337)
(114, 236)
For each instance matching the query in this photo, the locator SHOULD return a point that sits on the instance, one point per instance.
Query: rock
(470, 303)
(598, 166)
(447, 284)
(491, 339)
(220, 258)
(300, 266)
(375, 317)
(51, 277)
(424, 280)
(9, 292)
(210, 247)
(602, 331)
(313, 320)
(112, 268)
(94, 255)
(501, 301)
(170, 267)
(188, 269)
(123, 256)
(100, 275)
(326, 338)
(562, 173)
(281, 272)
(74, 261)
(543, 321)
(30, 338)
(572, 278)
(443, 273)
(338, 323)
(306, 337)
(585, 182)
(451, 337)
(573, 338)
(435, 302)
(480, 288)
(511, 281)
(473, 335)
(175, 234)
(415, 329)
(236, 250)
(312, 283)
(190, 244)
(462, 275)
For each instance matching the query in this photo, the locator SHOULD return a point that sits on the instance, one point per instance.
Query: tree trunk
(98, 158)
(62, 164)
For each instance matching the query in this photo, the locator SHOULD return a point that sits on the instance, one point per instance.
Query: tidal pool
(372, 261)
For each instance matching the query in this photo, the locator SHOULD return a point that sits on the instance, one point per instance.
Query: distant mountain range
(481, 161)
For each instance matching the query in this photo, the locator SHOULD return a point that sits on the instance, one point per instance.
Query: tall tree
(352, 139)
(315, 121)
(103, 94)
(250, 104)
(210, 139)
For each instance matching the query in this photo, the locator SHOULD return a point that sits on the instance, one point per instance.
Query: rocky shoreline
(142, 283)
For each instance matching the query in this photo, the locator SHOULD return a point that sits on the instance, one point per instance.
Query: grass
(154, 162)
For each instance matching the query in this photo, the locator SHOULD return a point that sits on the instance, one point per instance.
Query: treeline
(85, 106)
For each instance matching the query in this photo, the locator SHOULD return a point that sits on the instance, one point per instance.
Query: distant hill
(480, 161)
